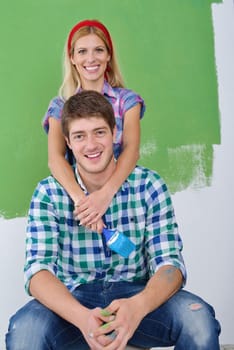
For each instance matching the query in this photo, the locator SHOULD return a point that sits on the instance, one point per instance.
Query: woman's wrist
(77, 198)
(109, 189)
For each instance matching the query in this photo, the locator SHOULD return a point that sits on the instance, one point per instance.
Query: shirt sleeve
(130, 99)
(42, 235)
(54, 110)
(163, 241)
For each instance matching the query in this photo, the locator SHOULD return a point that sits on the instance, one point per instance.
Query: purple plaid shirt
(121, 99)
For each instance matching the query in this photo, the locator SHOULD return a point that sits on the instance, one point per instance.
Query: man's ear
(67, 141)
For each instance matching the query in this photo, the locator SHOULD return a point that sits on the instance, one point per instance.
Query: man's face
(91, 141)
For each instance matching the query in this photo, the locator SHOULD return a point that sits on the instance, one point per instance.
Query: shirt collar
(107, 90)
(80, 182)
(82, 186)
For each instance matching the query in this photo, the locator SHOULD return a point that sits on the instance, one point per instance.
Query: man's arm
(52, 293)
(41, 259)
(130, 312)
(42, 253)
(161, 286)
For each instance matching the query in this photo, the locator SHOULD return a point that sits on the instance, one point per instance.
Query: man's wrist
(140, 304)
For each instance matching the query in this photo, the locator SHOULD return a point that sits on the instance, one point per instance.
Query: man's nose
(91, 142)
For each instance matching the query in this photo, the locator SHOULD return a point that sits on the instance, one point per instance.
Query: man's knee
(28, 327)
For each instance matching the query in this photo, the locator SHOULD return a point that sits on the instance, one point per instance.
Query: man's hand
(97, 318)
(127, 316)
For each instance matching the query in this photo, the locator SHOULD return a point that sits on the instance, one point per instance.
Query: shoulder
(149, 187)
(56, 103)
(54, 110)
(50, 201)
(47, 188)
(126, 93)
(50, 198)
(144, 173)
(119, 92)
(147, 179)
(127, 99)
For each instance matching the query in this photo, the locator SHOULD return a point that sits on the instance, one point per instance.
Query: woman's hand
(90, 209)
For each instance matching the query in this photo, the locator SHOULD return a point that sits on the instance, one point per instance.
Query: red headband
(89, 23)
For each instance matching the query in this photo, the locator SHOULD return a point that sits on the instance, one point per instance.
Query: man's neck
(94, 182)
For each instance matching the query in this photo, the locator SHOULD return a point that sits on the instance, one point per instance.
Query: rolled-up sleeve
(42, 235)
(163, 241)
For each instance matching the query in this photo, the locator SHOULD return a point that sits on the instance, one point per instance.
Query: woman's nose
(90, 56)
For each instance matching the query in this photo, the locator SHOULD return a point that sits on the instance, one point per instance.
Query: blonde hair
(71, 79)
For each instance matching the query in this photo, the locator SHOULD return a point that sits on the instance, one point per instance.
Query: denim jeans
(185, 321)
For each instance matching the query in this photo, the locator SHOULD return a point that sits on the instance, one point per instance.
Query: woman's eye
(100, 49)
(81, 51)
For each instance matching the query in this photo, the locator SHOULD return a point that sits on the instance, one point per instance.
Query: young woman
(90, 64)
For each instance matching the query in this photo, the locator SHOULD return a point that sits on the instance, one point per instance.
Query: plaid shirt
(142, 209)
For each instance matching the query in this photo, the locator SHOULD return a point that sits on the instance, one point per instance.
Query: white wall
(204, 215)
(12, 294)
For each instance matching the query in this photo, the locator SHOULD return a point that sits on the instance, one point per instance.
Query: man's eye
(100, 133)
(78, 137)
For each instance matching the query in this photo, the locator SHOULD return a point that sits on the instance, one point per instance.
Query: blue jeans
(185, 321)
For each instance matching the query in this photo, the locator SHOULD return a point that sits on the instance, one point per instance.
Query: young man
(87, 296)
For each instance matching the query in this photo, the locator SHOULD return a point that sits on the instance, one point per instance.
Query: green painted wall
(166, 52)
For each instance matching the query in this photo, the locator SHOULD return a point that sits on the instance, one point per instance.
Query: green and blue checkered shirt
(142, 209)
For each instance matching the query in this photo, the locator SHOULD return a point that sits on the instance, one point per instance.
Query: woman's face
(90, 59)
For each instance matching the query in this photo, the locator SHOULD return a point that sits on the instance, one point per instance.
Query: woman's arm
(62, 170)
(95, 204)
(131, 150)
(58, 165)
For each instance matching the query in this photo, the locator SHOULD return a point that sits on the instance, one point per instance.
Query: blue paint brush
(118, 242)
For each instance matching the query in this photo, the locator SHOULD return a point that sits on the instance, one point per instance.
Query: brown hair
(86, 104)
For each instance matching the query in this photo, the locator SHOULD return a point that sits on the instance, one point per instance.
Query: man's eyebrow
(77, 132)
(101, 127)
(83, 131)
